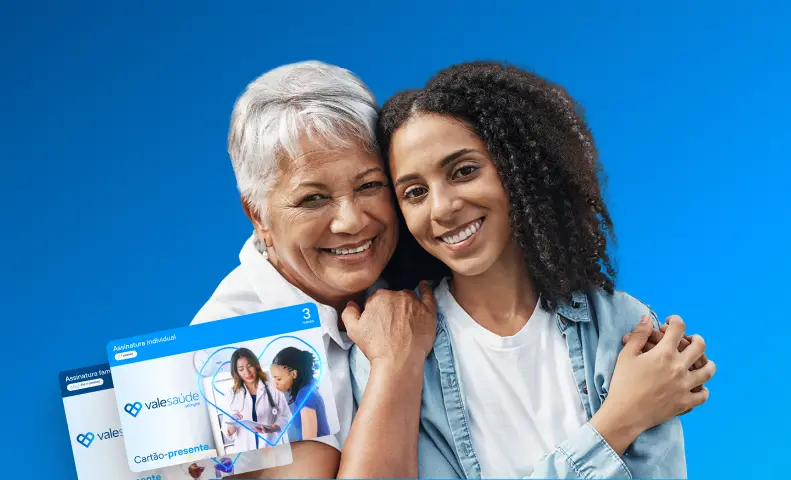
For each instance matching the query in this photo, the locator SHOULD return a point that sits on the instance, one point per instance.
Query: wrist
(410, 364)
(618, 429)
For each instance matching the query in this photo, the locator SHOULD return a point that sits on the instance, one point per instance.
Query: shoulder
(618, 311)
(234, 296)
(313, 397)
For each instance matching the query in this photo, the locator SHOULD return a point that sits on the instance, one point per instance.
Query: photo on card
(217, 389)
(284, 377)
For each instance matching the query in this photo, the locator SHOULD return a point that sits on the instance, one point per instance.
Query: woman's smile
(462, 237)
(354, 252)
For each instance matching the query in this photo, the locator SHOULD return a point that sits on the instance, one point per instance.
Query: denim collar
(576, 310)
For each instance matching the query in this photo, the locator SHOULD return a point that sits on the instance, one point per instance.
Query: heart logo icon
(133, 408)
(85, 439)
(298, 408)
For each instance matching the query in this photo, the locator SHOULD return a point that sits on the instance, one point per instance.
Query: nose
(444, 204)
(349, 218)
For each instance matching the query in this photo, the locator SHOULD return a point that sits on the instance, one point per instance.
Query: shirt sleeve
(584, 455)
(311, 399)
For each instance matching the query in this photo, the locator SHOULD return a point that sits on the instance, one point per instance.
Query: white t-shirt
(519, 391)
(255, 286)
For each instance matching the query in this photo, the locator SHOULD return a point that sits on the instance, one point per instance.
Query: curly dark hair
(544, 152)
(301, 361)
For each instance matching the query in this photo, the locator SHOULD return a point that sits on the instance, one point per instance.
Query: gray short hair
(323, 102)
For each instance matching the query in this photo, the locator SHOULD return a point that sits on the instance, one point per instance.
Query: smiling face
(331, 221)
(450, 193)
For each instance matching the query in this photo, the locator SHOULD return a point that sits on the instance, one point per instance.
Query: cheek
(301, 234)
(381, 210)
(418, 220)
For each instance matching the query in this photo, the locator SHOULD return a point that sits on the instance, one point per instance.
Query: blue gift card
(223, 387)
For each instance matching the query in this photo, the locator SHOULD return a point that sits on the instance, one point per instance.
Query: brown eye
(417, 191)
(464, 171)
(371, 188)
(312, 200)
(370, 185)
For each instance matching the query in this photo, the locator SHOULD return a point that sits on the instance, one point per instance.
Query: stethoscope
(268, 397)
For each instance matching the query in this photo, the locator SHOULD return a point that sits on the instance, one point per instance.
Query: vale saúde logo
(87, 438)
(188, 400)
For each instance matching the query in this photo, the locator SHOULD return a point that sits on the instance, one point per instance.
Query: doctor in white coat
(254, 397)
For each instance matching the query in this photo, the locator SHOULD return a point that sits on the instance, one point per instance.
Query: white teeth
(347, 251)
(463, 235)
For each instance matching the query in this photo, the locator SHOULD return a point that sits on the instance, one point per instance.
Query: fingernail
(645, 319)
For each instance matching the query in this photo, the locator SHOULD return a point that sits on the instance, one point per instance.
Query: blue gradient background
(119, 212)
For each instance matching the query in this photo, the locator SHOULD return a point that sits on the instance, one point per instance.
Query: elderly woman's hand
(394, 325)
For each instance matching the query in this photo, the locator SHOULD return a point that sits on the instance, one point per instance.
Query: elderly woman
(314, 187)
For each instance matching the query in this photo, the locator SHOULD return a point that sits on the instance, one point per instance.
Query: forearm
(310, 460)
(383, 437)
(310, 426)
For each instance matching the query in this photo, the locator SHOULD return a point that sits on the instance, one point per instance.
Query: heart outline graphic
(307, 397)
(133, 409)
(86, 440)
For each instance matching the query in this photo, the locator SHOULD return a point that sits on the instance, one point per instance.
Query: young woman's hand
(394, 326)
(650, 388)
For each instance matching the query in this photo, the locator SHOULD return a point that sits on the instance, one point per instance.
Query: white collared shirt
(255, 286)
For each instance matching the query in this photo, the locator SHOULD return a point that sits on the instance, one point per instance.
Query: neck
(252, 387)
(502, 298)
(337, 301)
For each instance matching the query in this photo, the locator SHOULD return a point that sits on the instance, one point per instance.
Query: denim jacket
(593, 324)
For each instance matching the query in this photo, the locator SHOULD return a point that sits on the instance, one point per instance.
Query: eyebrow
(445, 161)
(370, 170)
(311, 185)
(357, 177)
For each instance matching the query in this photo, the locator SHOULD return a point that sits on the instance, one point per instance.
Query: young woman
(294, 373)
(253, 397)
(496, 175)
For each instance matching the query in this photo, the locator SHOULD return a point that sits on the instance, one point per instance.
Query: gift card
(97, 437)
(221, 388)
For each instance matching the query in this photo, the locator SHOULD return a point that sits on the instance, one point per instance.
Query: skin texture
(329, 198)
(310, 460)
(310, 424)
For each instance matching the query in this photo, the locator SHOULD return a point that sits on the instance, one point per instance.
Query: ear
(294, 374)
(255, 218)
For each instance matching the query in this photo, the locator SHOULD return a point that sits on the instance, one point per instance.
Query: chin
(469, 267)
(356, 282)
